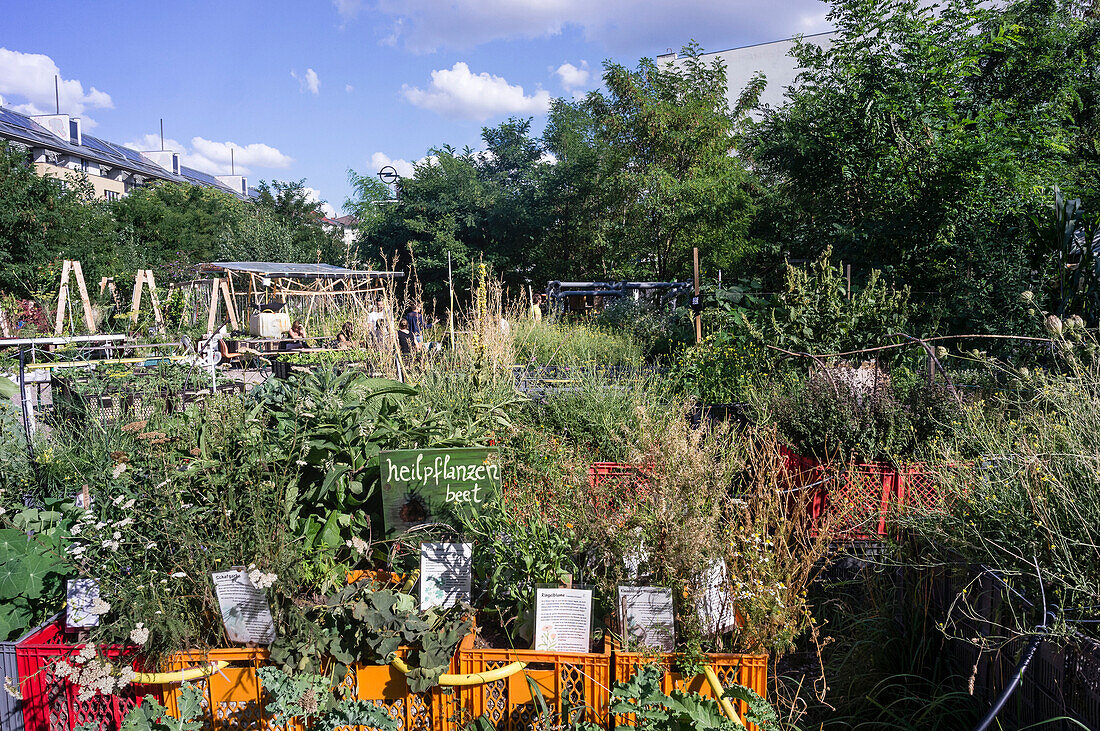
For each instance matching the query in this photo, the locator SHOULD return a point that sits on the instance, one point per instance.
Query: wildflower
(99, 607)
(139, 635)
(259, 579)
(11, 687)
(118, 470)
(179, 575)
(358, 545)
(135, 426)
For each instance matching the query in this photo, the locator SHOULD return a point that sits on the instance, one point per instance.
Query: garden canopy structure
(307, 289)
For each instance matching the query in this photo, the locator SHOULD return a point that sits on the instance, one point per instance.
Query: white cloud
(309, 81)
(460, 94)
(380, 160)
(30, 76)
(634, 26)
(349, 88)
(573, 76)
(314, 196)
(214, 157)
(348, 9)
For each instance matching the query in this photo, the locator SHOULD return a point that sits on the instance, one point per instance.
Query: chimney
(238, 183)
(58, 124)
(166, 159)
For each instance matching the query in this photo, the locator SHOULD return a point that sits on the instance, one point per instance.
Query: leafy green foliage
(359, 624)
(679, 711)
(310, 698)
(43, 219)
(921, 139)
(33, 566)
(150, 715)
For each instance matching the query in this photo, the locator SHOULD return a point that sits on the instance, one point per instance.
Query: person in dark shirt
(416, 324)
(405, 340)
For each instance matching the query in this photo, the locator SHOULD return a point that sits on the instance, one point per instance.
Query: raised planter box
(235, 699)
(51, 703)
(233, 696)
(750, 671)
(573, 685)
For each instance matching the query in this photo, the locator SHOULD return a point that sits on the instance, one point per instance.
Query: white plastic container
(269, 324)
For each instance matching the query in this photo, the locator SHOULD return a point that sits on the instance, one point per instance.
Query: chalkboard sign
(423, 485)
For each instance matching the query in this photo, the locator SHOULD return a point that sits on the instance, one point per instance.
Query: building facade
(58, 147)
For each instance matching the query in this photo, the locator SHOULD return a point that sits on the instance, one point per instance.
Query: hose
(181, 676)
(719, 692)
(468, 679)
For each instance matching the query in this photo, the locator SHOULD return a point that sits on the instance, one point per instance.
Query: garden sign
(424, 485)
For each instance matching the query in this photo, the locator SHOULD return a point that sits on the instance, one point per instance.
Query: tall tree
(672, 180)
(921, 139)
(44, 219)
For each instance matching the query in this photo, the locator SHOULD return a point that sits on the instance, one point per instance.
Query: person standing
(417, 325)
(405, 340)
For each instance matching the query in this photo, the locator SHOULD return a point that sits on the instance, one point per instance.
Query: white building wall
(772, 59)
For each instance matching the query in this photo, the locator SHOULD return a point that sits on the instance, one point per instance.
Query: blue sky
(309, 89)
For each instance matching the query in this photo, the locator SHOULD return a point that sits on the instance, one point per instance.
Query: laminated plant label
(717, 612)
(646, 617)
(426, 485)
(446, 574)
(81, 596)
(563, 620)
(245, 611)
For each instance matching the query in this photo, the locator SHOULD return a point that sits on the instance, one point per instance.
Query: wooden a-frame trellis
(71, 268)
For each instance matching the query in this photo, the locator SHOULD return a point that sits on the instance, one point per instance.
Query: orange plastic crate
(574, 686)
(750, 671)
(235, 700)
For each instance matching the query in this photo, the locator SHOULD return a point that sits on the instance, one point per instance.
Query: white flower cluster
(118, 470)
(139, 635)
(93, 675)
(358, 545)
(259, 579)
(99, 607)
(11, 687)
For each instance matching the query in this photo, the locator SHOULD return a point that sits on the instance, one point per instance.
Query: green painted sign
(423, 485)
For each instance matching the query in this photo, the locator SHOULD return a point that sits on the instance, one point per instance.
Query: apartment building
(57, 145)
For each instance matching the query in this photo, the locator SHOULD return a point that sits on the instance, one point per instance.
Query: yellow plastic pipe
(181, 676)
(719, 691)
(452, 679)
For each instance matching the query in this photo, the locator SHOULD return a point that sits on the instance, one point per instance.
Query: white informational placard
(563, 620)
(646, 617)
(80, 596)
(446, 574)
(245, 611)
(717, 612)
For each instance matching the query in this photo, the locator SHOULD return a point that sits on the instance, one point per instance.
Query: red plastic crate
(861, 499)
(51, 703)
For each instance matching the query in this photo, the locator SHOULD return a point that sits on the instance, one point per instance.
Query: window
(83, 164)
(111, 195)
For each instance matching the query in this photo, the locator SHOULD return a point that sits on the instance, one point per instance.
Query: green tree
(672, 182)
(921, 139)
(175, 225)
(44, 219)
(291, 204)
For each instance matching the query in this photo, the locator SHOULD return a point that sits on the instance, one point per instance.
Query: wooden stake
(230, 309)
(451, 309)
(215, 287)
(698, 312)
(82, 288)
(135, 301)
(153, 296)
(62, 298)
